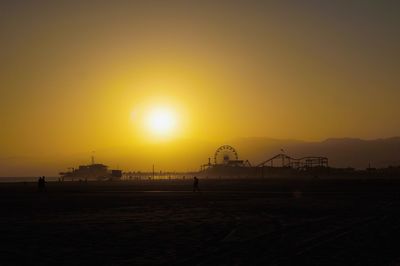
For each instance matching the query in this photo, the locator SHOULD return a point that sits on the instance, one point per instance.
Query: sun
(161, 121)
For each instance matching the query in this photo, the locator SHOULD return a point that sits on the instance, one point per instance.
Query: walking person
(42, 184)
(196, 184)
(39, 184)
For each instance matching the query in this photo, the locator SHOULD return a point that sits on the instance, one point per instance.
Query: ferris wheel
(224, 154)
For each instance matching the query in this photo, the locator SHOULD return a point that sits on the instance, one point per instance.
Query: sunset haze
(78, 78)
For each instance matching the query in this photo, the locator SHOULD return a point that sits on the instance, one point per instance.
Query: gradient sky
(78, 76)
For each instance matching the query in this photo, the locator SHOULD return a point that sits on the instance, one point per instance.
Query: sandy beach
(277, 222)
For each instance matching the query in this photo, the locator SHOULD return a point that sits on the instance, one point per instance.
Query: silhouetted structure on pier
(283, 160)
(92, 172)
(227, 163)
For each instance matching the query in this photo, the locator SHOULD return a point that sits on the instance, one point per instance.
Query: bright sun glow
(161, 121)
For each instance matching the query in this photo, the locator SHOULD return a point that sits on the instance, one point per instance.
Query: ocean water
(25, 179)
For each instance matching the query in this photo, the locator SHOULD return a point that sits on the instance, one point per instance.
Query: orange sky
(80, 77)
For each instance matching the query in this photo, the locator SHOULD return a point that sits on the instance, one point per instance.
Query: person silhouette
(196, 184)
(41, 184)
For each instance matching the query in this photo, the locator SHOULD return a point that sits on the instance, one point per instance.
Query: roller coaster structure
(224, 154)
(284, 160)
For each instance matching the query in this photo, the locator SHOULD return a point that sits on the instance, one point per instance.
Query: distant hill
(342, 152)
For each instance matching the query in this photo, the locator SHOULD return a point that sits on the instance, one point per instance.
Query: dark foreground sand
(265, 222)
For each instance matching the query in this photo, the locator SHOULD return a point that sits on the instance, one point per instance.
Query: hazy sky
(77, 76)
